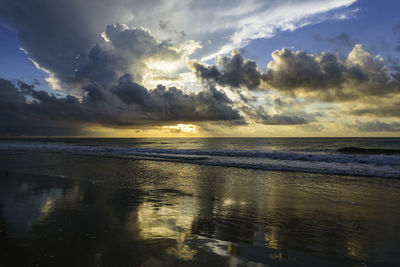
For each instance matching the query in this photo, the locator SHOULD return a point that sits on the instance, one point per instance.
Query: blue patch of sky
(372, 26)
(15, 64)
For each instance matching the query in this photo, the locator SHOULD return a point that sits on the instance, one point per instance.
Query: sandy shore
(69, 210)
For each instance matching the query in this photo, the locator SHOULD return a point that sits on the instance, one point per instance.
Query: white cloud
(281, 17)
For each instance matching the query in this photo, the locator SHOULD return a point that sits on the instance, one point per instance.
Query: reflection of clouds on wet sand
(24, 202)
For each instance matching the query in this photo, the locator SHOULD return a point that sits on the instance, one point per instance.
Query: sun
(182, 128)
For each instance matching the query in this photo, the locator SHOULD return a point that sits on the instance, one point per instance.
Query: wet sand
(73, 210)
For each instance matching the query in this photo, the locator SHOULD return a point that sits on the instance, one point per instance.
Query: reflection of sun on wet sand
(167, 221)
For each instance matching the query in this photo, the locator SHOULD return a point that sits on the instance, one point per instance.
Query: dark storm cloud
(322, 76)
(129, 91)
(19, 118)
(235, 72)
(207, 105)
(23, 110)
(172, 104)
(376, 126)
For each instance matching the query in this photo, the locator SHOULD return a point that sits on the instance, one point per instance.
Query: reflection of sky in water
(168, 214)
(167, 220)
(24, 204)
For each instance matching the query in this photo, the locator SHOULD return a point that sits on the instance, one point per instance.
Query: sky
(225, 68)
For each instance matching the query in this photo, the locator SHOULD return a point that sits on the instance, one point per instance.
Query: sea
(199, 201)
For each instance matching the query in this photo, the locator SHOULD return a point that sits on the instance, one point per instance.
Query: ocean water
(200, 202)
(378, 157)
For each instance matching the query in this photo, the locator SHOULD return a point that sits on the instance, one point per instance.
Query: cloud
(23, 110)
(386, 109)
(18, 118)
(276, 16)
(281, 120)
(123, 50)
(235, 72)
(376, 126)
(311, 127)
(323, 76)
(329, 78)
(260, 116)
(239, 74)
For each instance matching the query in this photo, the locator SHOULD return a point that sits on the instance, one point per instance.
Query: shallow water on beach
(60, 209)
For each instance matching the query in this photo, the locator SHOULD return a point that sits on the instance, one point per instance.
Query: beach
(198, 202)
